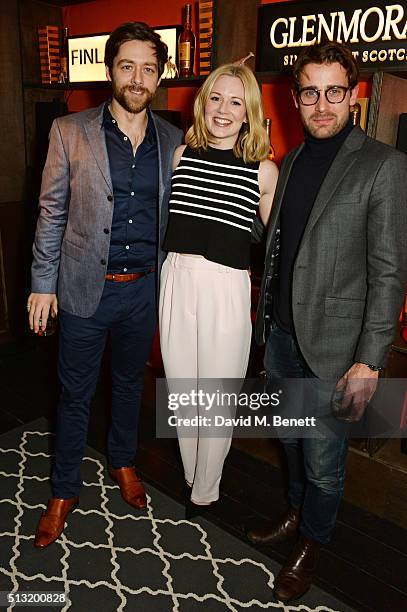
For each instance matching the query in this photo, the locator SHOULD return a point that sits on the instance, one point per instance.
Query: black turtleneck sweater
(306, 178)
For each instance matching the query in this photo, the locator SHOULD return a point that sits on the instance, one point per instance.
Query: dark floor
(366, 563)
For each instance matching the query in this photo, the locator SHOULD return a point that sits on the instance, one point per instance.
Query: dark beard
(334, 129)
(131, 106)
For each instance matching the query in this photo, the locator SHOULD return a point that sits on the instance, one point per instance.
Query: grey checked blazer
(350, 271)
(71, 248)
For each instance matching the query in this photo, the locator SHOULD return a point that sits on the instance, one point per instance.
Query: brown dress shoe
(297, 574)
(52, 521)
(271, 532)
(131, 487)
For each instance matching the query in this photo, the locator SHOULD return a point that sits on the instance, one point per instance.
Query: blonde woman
(221, 178)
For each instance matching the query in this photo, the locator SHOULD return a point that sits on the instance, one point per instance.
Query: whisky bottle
(271, 154)
(63, 56)
(355, 113)
(186, 46)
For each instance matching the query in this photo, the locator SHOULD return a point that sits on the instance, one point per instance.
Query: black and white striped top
(213, 203)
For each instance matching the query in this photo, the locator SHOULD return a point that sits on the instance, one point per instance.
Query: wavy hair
(135, 30)
(252, 143)
(326, 52)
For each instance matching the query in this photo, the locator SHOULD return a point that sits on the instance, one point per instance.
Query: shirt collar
(107, 116)
(150, 130)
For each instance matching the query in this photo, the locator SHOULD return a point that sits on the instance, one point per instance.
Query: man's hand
(358, 385)
(40, 306)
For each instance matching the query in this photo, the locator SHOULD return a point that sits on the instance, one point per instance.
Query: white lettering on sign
(388, 23)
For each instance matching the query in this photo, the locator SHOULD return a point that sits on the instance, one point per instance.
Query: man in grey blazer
(332, 288)
(97, 257)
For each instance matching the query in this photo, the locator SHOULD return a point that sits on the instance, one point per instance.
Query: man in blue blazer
(97, 257)
(332, 289)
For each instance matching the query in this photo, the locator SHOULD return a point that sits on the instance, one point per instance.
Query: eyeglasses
(308, 96)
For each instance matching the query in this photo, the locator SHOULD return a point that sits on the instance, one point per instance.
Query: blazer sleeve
(178, 138)
(386, 260)
(258, 230)
(53, 215)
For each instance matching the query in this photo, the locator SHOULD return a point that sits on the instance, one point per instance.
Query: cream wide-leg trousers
(205, 332)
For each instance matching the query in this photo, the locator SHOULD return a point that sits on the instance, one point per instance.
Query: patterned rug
(114, 559)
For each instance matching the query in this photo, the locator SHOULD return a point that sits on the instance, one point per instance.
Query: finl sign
(86, 55)
(86, 58)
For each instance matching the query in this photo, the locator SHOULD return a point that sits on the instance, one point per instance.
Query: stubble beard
(121, 95)
(325, 131)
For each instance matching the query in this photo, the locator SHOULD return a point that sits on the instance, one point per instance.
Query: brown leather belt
(124, 278)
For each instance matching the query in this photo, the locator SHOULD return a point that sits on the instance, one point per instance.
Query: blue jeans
(316, 466)
(127, 311)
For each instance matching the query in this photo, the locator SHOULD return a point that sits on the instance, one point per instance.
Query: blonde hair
(252, 143)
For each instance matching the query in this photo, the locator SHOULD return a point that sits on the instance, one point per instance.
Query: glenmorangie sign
(375, 30)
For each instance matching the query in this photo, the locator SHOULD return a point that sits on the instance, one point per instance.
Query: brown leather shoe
(271, 532)
(131, 487)
(52, 521)
(296, 575)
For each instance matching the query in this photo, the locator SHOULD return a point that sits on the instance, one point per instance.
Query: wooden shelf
(195, 81)
(65, 86)
(270, 77)
(167, 83)
(63, 3)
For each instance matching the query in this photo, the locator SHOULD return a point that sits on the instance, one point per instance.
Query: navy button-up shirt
(133, 240)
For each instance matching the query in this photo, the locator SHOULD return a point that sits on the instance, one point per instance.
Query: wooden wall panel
(31, 96)
(14, 270)
(389, 100)
(160, 100)
(4, 326)
(33, 14)
(12, 158)
(236, 30)
(19, 62)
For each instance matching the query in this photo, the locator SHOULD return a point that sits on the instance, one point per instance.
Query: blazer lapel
(97, 143)
(279, 195)
(164, 148)
(342, 163)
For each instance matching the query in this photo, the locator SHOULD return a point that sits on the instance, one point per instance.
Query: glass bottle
(355, 113)
(267, 123)
(186, 46)
(63, 56)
